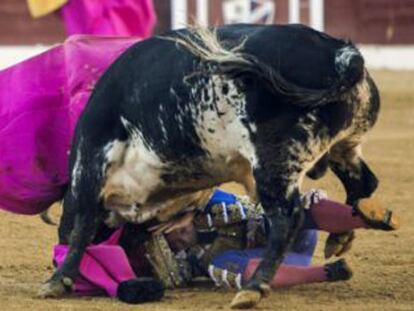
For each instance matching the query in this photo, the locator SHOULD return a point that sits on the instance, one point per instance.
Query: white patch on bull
(221, 130)
(135, 214)
(113, 152)
(163, 129)
(220, 126)
(76, 172)
(137, 172)
(253, 127)
(343, 58)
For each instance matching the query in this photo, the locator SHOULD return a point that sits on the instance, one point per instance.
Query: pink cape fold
(103, 267)
(40, 102)
(109, 17)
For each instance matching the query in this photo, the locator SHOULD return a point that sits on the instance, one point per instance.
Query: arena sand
(383, 262)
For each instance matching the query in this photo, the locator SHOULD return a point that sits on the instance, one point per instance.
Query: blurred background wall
(384, 29)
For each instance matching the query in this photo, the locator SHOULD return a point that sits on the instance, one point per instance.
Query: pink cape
(103, 267)
(40, 102)
(109, 17)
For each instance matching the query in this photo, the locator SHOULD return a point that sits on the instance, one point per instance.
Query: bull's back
(147, 86)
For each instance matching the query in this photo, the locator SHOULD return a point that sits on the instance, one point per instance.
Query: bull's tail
(203, 43)
(349, 65)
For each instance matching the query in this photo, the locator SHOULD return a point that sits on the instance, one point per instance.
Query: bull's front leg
(67, 219)
(359, 182)
(82, 234)
(83, 213)
(278, 192)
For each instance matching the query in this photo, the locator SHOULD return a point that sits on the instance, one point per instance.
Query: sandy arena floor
(383, 262)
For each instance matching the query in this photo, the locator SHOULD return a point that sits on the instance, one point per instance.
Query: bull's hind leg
(346, 162)
(278, 192)
(359, 182)
(320, 168)
(85, 214)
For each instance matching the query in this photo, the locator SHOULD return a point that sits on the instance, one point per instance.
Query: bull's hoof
(338, 244)
(246, 299)
(338, 271)
(376, 216)
(55, 289)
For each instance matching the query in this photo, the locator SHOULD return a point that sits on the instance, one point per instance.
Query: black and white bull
(176, 115)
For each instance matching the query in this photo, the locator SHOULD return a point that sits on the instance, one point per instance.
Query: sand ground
(383, 262)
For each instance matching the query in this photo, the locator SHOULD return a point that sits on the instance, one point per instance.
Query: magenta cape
(40, 102)
(109, 17)
(103, 267)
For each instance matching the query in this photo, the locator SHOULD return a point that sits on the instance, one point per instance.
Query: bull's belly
(140, 186)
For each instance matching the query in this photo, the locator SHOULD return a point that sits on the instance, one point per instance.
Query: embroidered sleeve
(219, 215)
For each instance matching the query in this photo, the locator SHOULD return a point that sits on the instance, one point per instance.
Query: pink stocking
(334, 217)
